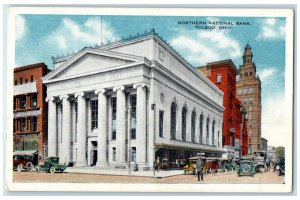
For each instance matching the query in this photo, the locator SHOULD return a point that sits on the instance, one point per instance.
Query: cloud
(20, 27)
(266, 73)
(73, 36)
(206, 46)
(274, 121)
(271, 29)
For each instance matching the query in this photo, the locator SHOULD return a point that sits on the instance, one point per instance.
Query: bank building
(131, 101)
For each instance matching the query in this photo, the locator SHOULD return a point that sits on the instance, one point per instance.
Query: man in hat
(199, 169)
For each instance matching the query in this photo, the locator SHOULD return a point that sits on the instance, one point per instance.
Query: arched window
(193, 126)
(250, 74)
(201, 128)
(213, 133)
(183, 122)
(207, 131)
(246, 74)
(173, 121)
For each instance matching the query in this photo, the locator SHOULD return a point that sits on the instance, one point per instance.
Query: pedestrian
(157, 164)
(199, 169)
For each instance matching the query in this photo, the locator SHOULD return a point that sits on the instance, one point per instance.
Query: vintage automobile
(246, 166)
(227, 164)
(191, 166)
(213, 164)
(24, 160)
(280, 166)
(260, 158)
(51, 165)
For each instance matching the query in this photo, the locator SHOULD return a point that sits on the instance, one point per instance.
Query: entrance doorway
(94, 156)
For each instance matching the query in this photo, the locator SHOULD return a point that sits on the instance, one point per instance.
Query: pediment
(91, 61)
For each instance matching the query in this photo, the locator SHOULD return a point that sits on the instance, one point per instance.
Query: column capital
(64, 97)
(119, 88)
(97, 91)
(79, 94)
(140, 85)
(50, 99)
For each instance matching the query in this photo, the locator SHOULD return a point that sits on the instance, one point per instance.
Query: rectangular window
(34, 124)
(250, 140)
(31, 78)
(15, 105)
(16, 82)
(23, 124)
(161, 123)
(21, 81)
(114, 153)
(133, 154)
(133, 116)
(114, 117)
(23, 101)
(94, 114)
(34, 100)
(76, 120)
(219, 78)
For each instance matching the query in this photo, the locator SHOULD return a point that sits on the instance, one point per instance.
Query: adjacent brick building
(30, 109)
(249, 93)
(223, 75)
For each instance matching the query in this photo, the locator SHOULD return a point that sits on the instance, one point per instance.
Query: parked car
(213, 164)
(260, 158)
(246, 166)
(280, 166)
(24, 160)
(227, 164)
(51, 165)
(191, 165)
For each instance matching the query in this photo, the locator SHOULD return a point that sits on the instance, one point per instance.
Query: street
(215, 178)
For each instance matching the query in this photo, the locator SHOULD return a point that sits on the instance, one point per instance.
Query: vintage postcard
(149, 99)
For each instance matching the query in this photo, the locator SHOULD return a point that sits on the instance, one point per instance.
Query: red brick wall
(232, 117)
(27, 73)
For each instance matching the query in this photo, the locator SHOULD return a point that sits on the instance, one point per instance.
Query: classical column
(102, 116)
(121, 131)
(52, 127)
(141, 139)
(66, 129)
(81, 131)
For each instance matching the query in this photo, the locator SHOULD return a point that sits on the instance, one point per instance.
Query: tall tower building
(249, 93)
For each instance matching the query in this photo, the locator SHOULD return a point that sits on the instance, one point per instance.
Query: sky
(39, 37)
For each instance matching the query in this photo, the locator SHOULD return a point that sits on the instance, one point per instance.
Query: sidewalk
(96, 170)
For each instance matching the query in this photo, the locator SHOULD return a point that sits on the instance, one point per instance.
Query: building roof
(152, 32)
(31, 66)
(221, 62)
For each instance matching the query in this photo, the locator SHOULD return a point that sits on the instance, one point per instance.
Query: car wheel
(20, 167)
(246, 168)
(29, 166)
(52, 170)
(37, 169)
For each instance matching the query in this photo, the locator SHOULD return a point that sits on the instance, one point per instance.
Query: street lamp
(128, 120)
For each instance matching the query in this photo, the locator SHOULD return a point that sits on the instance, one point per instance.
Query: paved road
(217, 178)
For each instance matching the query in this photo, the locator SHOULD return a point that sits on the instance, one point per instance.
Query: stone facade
(30, 109)
(112, 105)
(249, 93)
